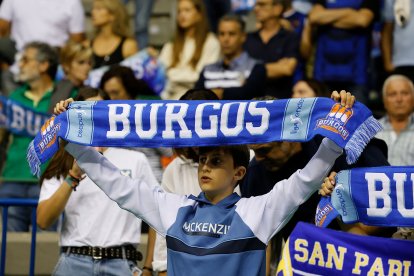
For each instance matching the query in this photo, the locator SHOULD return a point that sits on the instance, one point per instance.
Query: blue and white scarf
(317, 251)
(382, 196)
(20, 119)
(201, 123)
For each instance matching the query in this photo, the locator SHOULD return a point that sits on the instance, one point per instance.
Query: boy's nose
(205, 167)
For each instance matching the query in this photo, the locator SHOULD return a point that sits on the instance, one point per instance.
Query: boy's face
(217, 175)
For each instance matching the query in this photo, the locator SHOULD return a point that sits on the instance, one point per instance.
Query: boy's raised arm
(137, 196)
(279, 205)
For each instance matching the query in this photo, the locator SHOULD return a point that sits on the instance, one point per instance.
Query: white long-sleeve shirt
(231, 235)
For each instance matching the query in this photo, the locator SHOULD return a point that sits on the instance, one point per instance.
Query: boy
(216, 232)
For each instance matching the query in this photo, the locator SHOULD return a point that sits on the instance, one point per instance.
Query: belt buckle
(97, 253)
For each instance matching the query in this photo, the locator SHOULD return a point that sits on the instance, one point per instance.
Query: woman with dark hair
(120, 83)
(89, 244)
(192, 47)
(310, 88)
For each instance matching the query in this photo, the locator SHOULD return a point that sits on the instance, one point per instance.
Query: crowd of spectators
(297, 49)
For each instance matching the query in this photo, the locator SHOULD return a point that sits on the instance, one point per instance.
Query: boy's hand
(62, 106)
(328, 185)
(346, 98)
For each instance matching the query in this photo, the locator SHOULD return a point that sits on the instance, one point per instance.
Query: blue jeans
(19, 218)
(79, 265)
(143, 9)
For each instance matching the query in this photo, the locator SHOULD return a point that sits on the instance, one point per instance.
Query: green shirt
(16, 168)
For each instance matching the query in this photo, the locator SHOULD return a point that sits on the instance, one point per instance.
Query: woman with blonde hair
(76, 61)
(112, 40)
(193, 47)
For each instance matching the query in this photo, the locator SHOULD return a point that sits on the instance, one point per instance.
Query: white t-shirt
(90, 217)
(49, 21)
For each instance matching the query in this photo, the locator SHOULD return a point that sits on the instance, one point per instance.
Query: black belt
(118, 252)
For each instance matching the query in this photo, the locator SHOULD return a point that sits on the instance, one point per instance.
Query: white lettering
(171, 117)
(152, 131)
(375, 195)
(33, 125)
(212, 131)
(122, 117)
(18, 117)
(227, 131)
(400, 179)
(258, 111)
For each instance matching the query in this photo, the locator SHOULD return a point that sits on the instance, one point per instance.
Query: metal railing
(5, 203)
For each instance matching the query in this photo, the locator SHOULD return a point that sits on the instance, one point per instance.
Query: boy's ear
(240, 172)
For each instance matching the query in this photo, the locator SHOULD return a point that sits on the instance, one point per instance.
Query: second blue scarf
(382, 196)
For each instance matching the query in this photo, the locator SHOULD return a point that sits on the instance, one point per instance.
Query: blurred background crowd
(240, 50)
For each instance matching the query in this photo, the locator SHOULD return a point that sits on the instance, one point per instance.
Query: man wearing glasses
(37, 68)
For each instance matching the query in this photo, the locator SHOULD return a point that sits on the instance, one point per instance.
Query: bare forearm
(321, 16)
(282, 68)
(386, 45)
(355, 19)
(306, 41)
(150, 248)
(78, 37)
(49, 210)
(4, 28)
(3, 135)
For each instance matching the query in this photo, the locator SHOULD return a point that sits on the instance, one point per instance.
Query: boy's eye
(202, 160)
(215, 161)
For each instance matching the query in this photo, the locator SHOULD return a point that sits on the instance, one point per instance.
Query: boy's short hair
(240, 153)
(199, 94)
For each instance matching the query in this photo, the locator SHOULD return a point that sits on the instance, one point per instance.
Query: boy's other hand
(328, 185)
(62, 106)
(346, 98)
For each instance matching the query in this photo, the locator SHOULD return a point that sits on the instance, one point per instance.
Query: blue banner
(145, 67)
(242, 5)
(382, 196)
(201, 123)
(317, 251)
(19, 119)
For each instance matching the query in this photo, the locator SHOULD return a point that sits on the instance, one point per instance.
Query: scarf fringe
(33, 159)
(361, 137)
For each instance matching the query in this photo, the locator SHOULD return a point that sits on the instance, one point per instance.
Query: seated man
(237, 76)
